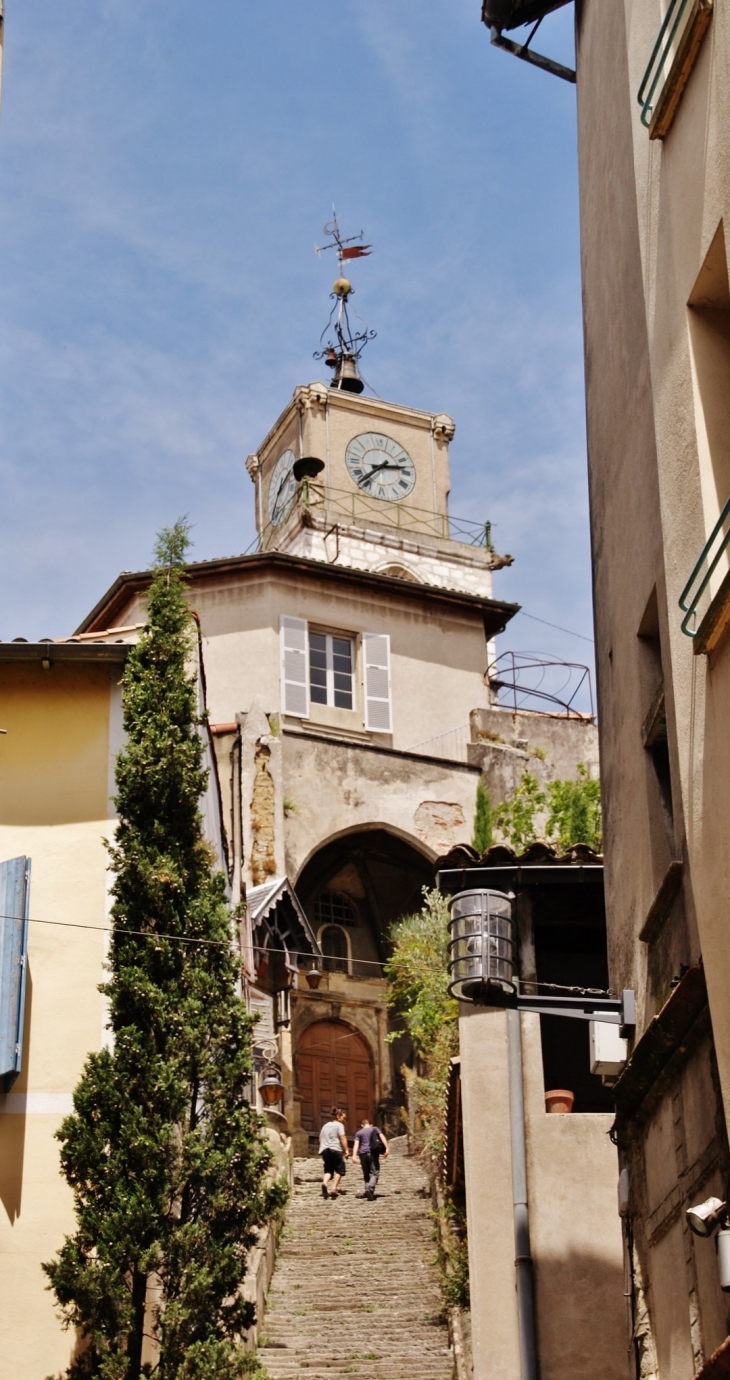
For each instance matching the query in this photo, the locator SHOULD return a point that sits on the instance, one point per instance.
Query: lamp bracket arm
(621, 1012)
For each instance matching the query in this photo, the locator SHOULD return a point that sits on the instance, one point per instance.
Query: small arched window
(333, 943)
(398, 572)
(333, 908)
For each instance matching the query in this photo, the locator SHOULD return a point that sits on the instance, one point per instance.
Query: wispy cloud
(162, 180)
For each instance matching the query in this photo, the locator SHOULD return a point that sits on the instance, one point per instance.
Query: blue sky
(164, 172)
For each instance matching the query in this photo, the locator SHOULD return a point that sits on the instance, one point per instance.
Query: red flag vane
(350, 248)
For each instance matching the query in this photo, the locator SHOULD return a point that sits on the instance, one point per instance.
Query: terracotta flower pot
(559, 1100)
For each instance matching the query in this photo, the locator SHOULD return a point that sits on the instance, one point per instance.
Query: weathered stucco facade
(654, 219)
(61, 713)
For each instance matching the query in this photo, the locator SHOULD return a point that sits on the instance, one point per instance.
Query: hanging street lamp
(482, 947)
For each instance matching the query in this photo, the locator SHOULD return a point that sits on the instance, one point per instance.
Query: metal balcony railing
(709, 559)
(671, 62)
(354, 506)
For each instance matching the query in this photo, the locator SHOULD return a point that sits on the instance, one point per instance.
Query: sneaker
(325, 1194)
(370, 1195)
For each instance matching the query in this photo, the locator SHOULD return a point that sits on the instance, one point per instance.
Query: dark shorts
(334, 1161)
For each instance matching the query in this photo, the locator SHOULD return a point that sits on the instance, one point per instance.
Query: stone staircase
(355, 1290)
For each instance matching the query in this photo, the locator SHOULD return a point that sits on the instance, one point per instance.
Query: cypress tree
(483, 836)
(163, 1152)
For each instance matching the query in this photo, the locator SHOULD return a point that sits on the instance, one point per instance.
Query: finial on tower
(342, 357)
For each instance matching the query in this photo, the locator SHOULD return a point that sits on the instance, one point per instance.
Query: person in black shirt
(369, 1145)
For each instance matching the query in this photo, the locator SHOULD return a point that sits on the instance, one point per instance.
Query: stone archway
(334, 1068)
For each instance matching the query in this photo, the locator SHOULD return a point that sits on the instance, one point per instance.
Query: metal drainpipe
(523, 1258)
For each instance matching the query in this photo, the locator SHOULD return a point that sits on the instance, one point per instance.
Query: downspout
(523, 1258)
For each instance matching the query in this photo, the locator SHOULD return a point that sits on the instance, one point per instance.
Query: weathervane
(343, 356)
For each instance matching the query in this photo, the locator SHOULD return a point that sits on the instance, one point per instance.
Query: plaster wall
(564, 741)
(54, 757)
(63, 1022)
(487, 1158)
(628, 562)
(55, 770)
(335, 787)
(650, 210)
(574, 1225)
(438, 653)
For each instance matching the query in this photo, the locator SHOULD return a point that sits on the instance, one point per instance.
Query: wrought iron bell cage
(482, 946)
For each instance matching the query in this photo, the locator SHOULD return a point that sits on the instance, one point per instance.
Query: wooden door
(334, 1068)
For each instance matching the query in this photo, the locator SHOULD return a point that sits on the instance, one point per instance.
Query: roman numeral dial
(380, 467)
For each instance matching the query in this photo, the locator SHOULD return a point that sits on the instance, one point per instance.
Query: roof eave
(496, 613)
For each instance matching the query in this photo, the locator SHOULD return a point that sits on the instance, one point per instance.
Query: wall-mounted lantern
(314, 975)
(706, 1218)
(482, 965)
(270, 1084)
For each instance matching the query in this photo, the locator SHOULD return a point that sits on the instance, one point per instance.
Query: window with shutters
(331, 663)
(320, 668)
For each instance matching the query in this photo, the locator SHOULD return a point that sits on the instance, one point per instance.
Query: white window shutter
(376, 664)
(294, 645)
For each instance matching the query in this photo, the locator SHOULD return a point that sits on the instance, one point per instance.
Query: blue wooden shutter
(14, 890)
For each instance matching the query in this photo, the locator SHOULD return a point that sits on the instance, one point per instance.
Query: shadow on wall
(12, 1127)
(583, 1325)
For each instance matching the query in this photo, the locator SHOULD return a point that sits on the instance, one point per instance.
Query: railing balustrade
(710, 557)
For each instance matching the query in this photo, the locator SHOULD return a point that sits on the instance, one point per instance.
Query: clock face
(282, 486)
(380, 466)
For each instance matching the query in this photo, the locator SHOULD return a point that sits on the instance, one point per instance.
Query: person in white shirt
(334, 1151)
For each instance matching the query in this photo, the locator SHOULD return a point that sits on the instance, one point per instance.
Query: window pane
(318, 668)
(342, 665)
(342, 647)
(334, 907)
(334, 949)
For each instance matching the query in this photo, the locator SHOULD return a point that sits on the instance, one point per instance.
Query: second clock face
(380, 466)
(281, 487)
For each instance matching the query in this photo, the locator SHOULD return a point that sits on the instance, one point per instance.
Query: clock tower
(355, 481)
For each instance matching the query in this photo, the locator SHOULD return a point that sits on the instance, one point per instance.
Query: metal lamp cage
(481, 946)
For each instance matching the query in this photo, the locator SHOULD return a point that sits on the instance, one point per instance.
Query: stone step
(355, 1289)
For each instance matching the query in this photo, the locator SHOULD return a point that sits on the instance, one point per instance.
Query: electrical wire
(557, 626)
(176, 938)
(290, 953)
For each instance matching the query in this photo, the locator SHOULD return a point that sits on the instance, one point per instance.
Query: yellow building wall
(54, 756)
(54, 775)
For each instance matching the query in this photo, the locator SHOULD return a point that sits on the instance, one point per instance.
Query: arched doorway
(334, 1068)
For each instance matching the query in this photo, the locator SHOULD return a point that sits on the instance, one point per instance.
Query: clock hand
(386, 465)
(373, 471)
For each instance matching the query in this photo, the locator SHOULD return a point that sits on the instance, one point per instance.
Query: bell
(307, 467)
(346, 375)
